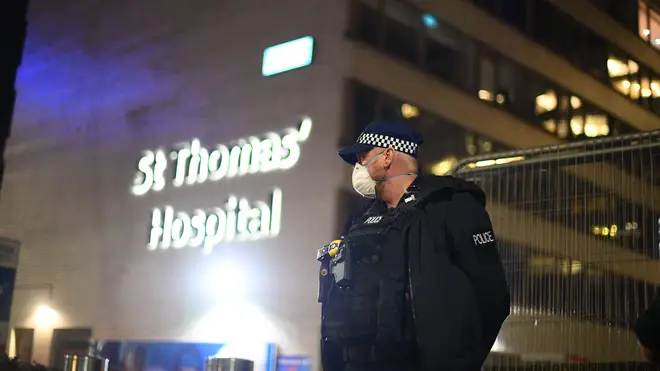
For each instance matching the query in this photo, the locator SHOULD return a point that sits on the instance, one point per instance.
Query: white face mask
(363, 183)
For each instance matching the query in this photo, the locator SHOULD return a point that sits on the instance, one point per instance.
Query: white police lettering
(236, 220)
(195, 164)
(373, 220)
(483, 238)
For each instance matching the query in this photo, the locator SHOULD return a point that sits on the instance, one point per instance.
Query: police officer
(416, 282)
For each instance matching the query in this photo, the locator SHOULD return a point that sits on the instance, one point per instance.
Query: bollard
(228, 364)
(84, 363)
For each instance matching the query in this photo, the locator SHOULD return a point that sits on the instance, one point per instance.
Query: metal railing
(578, 229)
(228, 364)
(84, 363)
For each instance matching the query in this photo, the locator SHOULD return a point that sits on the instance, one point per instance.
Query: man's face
(377, 160)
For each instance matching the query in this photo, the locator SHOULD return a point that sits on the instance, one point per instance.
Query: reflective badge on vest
(484, 238)
(373, 220)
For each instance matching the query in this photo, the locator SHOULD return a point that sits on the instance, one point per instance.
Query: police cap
(384, 134)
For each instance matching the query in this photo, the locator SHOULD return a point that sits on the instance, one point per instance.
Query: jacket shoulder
(439, 189)
(434, 189)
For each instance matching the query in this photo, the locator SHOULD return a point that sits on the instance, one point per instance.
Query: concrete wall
(103, 81)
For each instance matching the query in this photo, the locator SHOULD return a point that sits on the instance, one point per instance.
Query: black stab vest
(372, 306)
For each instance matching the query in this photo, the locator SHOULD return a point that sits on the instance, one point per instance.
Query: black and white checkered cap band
(384, 141)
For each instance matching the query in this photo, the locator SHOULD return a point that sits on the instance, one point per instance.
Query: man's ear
(389, 157)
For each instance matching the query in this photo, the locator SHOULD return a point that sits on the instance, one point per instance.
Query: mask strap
(372, 159)
(397, 176)
(388, 178)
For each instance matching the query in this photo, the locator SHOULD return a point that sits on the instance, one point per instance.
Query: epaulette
(417, 195)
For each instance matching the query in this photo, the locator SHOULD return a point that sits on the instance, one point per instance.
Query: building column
(13, 27)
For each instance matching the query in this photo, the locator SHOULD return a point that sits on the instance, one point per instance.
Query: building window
(570, 121)
(446, 142)
(649, 24)
(590, 52)
(487, 85)
(491, 77)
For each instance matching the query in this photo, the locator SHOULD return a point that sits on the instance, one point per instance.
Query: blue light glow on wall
(429, 21)
(60, 92)
(288, 56)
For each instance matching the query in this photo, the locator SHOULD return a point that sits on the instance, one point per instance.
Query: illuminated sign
(195, 164)
(237, 220)
(288, 56)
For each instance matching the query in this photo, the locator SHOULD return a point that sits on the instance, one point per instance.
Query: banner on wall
(294, 363)
(180, 356)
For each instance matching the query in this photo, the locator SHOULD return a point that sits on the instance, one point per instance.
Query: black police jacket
(458, 285)
(441, 248)
(647, 327)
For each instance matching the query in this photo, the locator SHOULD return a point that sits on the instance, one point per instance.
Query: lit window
(546, 102)
(485, 95)
(645, 88)
(550, 126)
(409, 111)
(649, 24)
(576, 102)
(577, 125)
(500, 99)
(655, 88)
(571, 267)
(623, 86)
(633, 92)
(443, 167)
(618, 68)
(596, 126)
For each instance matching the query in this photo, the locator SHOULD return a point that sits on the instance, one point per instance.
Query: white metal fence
(578, 229)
